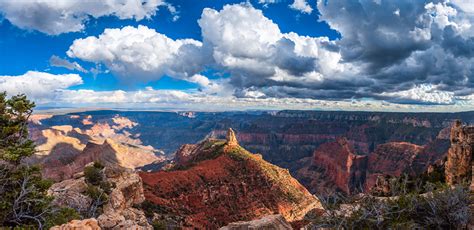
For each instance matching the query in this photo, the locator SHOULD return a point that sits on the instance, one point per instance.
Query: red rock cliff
(458, 166)
(340, 165)
(220, 183)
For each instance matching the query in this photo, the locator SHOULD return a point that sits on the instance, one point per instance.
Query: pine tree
(14, 115)
(23, 192)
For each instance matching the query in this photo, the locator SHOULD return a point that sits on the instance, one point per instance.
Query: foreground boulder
(276, 222)
(217, 183)
(87, 224)
(71, 193)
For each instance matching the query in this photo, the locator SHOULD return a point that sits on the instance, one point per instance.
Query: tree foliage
(23, 192)
(14, 115)
(98, 188)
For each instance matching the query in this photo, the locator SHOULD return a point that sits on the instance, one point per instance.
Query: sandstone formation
(63, 150)
(283, 137)
(276, 222)
(36, 118)
(109, 153)
(392, 159)
(459, 163)
(87, 224)
(218, 183)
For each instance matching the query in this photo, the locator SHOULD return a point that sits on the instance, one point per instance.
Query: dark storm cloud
(456, 44)
(373, 33)
(287, 59)
(397, 45)
(388, 49)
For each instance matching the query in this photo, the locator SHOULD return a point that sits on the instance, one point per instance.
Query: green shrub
(96, 193)
(61, 216)
(158, 225)
(94, 174)
(99, 198)
(98, 165)
(150, 208)
(106, 186)
(440, 207)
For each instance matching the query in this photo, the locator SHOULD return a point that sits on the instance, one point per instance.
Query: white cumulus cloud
(424, 93)
(39, 86)
(55, 17)
(253, 49)
(302, 5)
(140, 53)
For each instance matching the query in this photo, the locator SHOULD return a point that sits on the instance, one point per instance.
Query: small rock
(87, 224)
(276, 222)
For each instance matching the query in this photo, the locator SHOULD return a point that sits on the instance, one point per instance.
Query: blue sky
(226, 55)
(34, 48)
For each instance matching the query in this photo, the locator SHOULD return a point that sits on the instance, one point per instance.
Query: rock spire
(231, 138)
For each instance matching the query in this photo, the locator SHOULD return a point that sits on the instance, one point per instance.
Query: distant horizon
(72, 110)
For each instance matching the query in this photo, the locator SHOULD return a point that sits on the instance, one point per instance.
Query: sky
(217, 55)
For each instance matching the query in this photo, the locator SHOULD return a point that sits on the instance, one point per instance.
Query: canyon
(220, 182)
(392, 143)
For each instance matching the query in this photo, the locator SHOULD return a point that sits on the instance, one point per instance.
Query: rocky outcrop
(186, 154)
(71, 193)
(119, 211)
(276, 222)
(36, 118)
(64, 149)
(224, 183)
(87, 224)
(459, 164)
